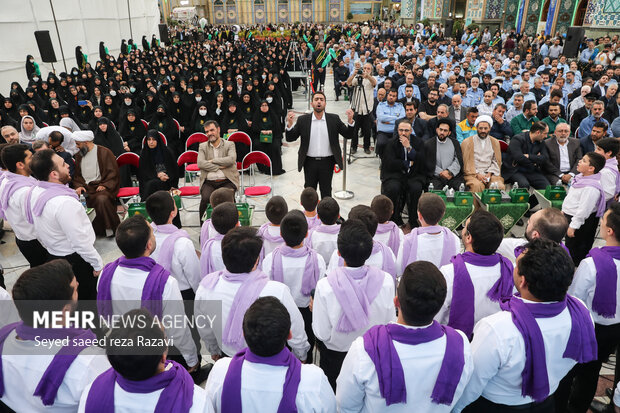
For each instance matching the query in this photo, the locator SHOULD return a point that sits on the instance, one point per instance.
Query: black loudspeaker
(574, 35)
(163, 34)
(448, 27)
(46, 49)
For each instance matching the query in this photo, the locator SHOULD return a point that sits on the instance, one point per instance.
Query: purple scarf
(231, 389)
(251, 286)
(463, 295)
(311, 270)
(379, 344)
(519, 250)
(205, 230)
(167, 247)
(177, 395)
(313, 222)
(325, 229)
(55, 373)
(394, 240)
(52, 190)
(388, 264)
(152, 291)
(604, 300)
(593, 181)
(410, 247)
(355, 298)
(612, 165)
(14, 182)
(206, 261)
(264, 233)
(581, 345)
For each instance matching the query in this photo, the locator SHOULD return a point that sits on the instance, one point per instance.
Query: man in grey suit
(457, 111)
(564, 155)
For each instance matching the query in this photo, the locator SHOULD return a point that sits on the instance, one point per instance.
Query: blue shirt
(586, 54)
(387, 116)
(585, 127)
(473, 97)
(416, 91)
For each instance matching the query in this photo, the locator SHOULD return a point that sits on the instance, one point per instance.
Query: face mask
(36, 79)
(112, 92)
(83, 150)
(202, 112)
(264, 77)
(132, 89)
(128, 102)
(208, 90)
(219, 71)
(198, 98)
(515, 87)
(31, 60)
(161, 115)
(75, 73)
(269, 100)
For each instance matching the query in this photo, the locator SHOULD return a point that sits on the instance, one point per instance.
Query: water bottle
(558, 183)
(462, 188)
(450, 194)
(494, 185)
(445, 189)
(515, 186)
(431, 187)
(83, 200)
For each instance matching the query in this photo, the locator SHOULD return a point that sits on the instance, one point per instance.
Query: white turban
(484, 118)
(83, 136)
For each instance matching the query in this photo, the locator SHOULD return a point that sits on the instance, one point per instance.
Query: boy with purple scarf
(297, 266)
(275, 210)
(224, 218)
(523, 352)
(415, 364)
(309, 199)
(219, 196)
(596, 284)
(33, 378)
(266, 376)
(584, 205)
(323, 238)
(610, 177)
(141, 378)
(430, 241)
(478, 279)
(387, 231)
(237, 287)
(350, 300)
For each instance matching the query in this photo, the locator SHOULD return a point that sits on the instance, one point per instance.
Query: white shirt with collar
(564, 159)
(292, 275)
(430, 248)
(185, 267)
(23, 365)
(225, 292)
(126, 294)
(319, 138)
(262, 384)
(215, 257)
(385, 239)
(584, 285)
(24, 231)
(580, 203)
(375, 260)
(323, 243)
(608, 182)
(507, 247)
(358, 385)
(326, 312)
(63, 228)
(498, 352)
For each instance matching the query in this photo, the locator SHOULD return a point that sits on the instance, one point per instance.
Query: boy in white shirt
(275, 210)
(387, 231)
(224, 218)
(309, 200)
(610, 177)
(219, 196)
(323, 238)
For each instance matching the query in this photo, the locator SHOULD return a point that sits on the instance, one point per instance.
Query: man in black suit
(582, 113)
(457, 112)
(444, 158)
(402, 173)
(612, 110)
(320, 148)
(564, 155)
(527, 158)
(419, 125)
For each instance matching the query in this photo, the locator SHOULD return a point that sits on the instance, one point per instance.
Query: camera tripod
(357, 94)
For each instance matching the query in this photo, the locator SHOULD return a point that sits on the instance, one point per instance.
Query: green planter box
(442, 194)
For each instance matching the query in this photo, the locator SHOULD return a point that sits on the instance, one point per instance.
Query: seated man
(523, 122)
(403, 173)
(466, 128)
(33, 378)
(546, 330)
(564, 155)
(382, 370)
(500, 129)
(596, 116)
(387, 114)
(588, 142)
(527, 156)
(554, 119)
(482, 158)
(419, 125)
(97, 177)
(444, 159)
(266, 376)
(141, 378)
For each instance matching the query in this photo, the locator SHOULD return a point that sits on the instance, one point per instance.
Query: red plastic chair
(127, 192)
(161, 135)
(243, 138)
(257, 157)
(145, 123)
(187, 191)
(196, 137)
(503, 146)
(178, 126)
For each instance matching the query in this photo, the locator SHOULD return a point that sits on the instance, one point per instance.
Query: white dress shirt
(215, 257)
(608, 182)
(274, 231)
(584, 284)
(126, 402)
(68, 142)
(498, 351)
(358, 385)
(564, 159)
(126, 293)
(292, 275)
(24, 231)
(23, 365)
(326, 312)
(507, 248)
(225, 292)
(375, 260)
(385, 239)
(430, 248)
(185, 267)
(64, 228)
(580, 203)
(319, 139)
(262, 384)
(482, 278)
(323, 243)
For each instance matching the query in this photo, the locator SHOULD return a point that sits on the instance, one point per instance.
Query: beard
(483, 135)
(64, 179)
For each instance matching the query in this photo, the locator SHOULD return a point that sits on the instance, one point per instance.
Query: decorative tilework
(334, 11)
(612, 7)
(474, 9)
(220, 14)
(406, 10)
(565, 16)
(603, 13)
(259, 14)
(282, 13)
(306, 12)
(510, 16)
(494, 9)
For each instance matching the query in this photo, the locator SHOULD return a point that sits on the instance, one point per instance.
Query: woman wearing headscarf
(24, 110)
(163, 122)
(110, 108)
(6, 120)
(150, 106)
(94, 122)
(199, 118)
(106, 135)
(129, 103)
(32, 68)
(133, 131)
(103, 52)
(218, 108)
(234, 121)
(177, 110)
(247, 108)
(158, 170)
(28, 130)
(268, 137)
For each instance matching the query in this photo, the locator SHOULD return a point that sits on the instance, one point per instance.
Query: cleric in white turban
(482, 157)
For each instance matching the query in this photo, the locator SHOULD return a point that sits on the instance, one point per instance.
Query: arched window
(282, 1)
(218, 3)
(230, 2)
(259, 2)
(306, 1)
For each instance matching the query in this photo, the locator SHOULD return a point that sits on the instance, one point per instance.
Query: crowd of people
(411, 318)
